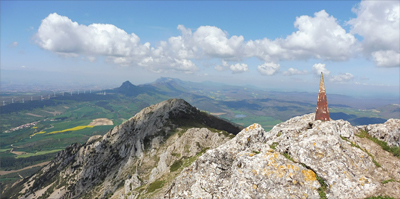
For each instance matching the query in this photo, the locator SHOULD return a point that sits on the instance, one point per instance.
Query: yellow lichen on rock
(254, 186)
(309, 175)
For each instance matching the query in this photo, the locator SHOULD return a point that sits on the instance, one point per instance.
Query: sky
(276, 45)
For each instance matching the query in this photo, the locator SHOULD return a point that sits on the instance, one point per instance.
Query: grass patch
(288, 156)
(322, 188)
(279, 134)
(256, 152)
(155, 185)
(176, 165)
(355, 145)
(37, 153)
(274, 145)
(178, 155)
(393, 150)
(380, 197)
(387, 181)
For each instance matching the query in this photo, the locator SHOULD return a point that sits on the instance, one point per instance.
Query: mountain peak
(167, 79)
(127, 85)
(135, 153)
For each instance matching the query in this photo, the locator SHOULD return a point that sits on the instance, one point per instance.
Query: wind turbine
(23, 100)
(4, 103)
(12, 100)
(71, 93)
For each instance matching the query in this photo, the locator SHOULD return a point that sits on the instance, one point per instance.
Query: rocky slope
(299, 158)
(388, 132)
(135, 158)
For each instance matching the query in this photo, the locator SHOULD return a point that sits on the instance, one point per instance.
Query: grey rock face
(248, 167)
(104, 164)
(388, 131)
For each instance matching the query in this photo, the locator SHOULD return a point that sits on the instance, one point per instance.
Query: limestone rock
(248, 166)
(388, 131)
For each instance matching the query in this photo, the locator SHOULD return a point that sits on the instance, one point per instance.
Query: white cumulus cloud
(378, 22)
(293, 71)
(320, 37)
(268, 68)
(388, 58)
(317, 37)
(239, 68)
(61, 35)
(320, 68)
(343, 77)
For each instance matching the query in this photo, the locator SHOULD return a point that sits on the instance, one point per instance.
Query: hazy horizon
(273, 45)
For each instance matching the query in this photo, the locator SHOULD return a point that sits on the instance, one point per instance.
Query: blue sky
(278, 45)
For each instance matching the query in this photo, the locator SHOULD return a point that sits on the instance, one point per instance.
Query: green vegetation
(355, 145)
(38, 153)
(176, 165)
(256, 152)
(274, 145)
(288, 156)
(322, 188)
(155, 185)
(393, 150)
(387, 181)
(380, 197)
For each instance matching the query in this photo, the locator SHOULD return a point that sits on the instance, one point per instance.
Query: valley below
(34, 133)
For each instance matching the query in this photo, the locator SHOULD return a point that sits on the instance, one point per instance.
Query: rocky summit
(299, 158)
(174, 150)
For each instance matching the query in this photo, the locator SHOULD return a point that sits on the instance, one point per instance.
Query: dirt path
(31, 114)
(54, 113)
(217, 114)
(29, 167)
(101, 121)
